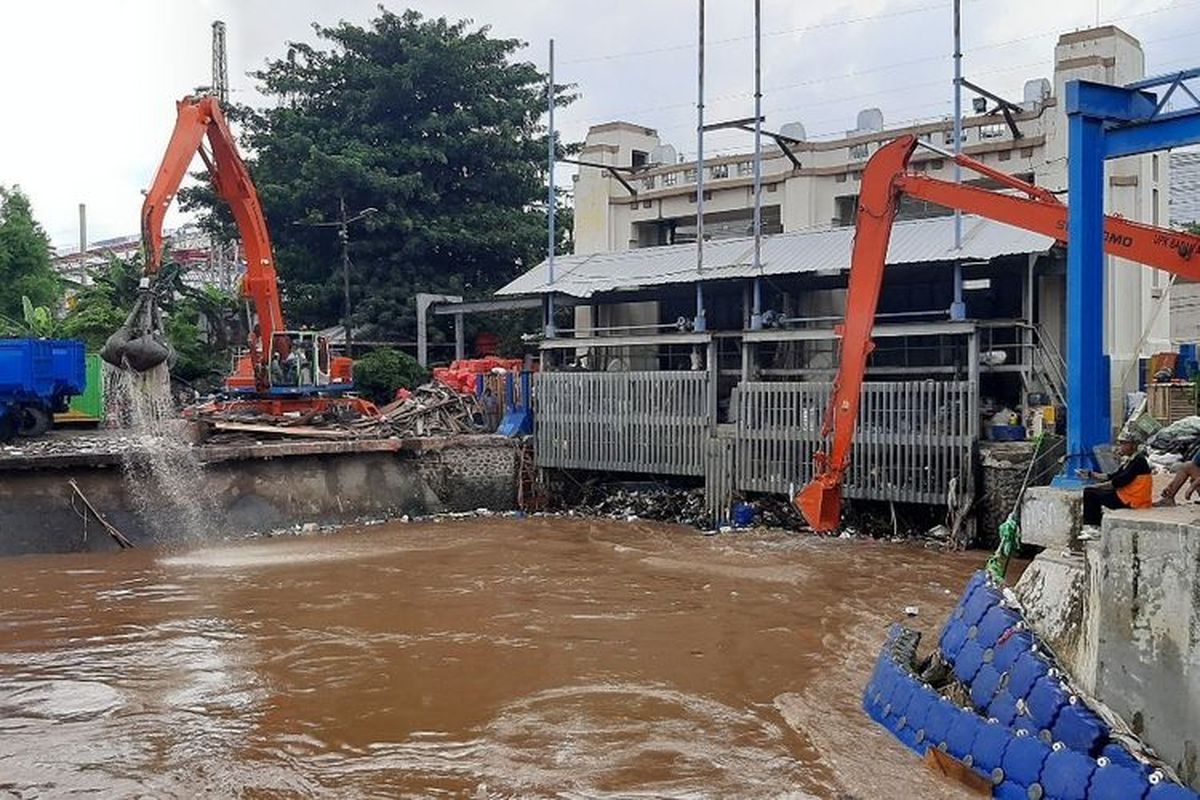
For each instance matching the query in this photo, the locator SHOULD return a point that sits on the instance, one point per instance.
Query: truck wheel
(34, 421)
(8, 427)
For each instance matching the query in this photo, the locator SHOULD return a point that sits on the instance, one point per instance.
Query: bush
(380, 373)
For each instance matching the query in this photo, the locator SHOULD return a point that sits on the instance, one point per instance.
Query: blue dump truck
(37, 379)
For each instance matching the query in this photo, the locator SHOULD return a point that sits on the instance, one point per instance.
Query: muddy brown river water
(474, 658)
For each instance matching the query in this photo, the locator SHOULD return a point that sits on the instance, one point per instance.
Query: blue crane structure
(1106, 122)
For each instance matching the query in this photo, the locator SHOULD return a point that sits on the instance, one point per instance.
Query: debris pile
(434, 410)
(429, 410)
(650, 501)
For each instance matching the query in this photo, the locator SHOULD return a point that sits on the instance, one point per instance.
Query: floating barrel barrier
(1025, 730)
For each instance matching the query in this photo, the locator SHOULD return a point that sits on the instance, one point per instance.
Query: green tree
(24, 257)
(381, 372)
(433, 123)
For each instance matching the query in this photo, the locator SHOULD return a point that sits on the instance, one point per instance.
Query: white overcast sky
(90, 85)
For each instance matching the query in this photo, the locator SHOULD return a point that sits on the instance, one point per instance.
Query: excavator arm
(139, 344)
(885, 180)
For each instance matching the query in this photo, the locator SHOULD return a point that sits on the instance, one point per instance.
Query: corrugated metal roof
(815, 251)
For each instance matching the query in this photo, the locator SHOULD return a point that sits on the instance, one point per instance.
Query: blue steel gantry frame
(1104, 122)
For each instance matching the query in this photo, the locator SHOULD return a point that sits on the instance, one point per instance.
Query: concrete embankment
(1123, 613)
(248, 487)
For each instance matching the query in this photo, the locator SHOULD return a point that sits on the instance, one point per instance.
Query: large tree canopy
(432, 123)
(24, 256)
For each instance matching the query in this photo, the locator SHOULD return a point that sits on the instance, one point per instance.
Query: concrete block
(1148, 621)
(1051, 517)
(1054, 592)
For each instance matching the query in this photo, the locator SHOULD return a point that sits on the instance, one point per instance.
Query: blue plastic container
(1066, 774)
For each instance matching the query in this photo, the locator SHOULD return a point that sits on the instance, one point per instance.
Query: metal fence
(913, 438)
(651, 422)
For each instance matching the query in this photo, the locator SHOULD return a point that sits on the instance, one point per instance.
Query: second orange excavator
(281, 370)
(885, 180)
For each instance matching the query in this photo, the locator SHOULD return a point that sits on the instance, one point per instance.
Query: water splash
(164, 474)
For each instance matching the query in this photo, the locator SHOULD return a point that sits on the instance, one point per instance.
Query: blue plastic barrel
(1045, 701)
(1067, 774)
(1079, 728)
(1025, 673)
(1114, 782)
(1023, 760)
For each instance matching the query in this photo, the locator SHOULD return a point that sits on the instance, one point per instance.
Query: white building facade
(819, 187)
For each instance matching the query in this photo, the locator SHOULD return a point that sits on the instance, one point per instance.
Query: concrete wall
(255, 493)
(1146, 619)
(1122, 613)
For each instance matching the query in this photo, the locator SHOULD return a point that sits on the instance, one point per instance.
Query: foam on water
(163, 471)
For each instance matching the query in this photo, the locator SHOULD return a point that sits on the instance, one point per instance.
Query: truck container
(37, 379)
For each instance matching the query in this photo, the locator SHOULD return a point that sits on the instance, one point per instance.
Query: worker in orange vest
(1130, 486)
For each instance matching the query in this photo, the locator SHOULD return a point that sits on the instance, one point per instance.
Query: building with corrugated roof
(938, 379)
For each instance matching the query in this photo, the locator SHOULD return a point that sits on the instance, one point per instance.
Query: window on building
(1154, 168)
(723, 224)
(639, 159)
(772, 187)
(936, 164)
(1026, 152)
(717, 171)
(689, 175)
(707, 195)
(856, 175)
(844, 209)
(992, 131)
(858, 150)
(1006, 155)
(948, 137)
(648, 182)
(745, 168)
(670, 178)
(839, 178)
(647, 204)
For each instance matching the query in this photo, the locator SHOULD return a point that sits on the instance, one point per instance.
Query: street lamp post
(343, 225)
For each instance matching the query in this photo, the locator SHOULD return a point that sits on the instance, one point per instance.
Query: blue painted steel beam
(1108, 103)
(1164, 131)
(1163, 80)
(1089, 419)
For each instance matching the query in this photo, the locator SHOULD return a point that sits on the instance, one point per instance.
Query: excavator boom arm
(885, 180)
(196, 119)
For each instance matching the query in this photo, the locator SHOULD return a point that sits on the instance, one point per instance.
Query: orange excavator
(281, 371)
(885, 180)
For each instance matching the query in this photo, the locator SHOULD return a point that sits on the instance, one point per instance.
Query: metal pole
(344, 235)
(83, 240)
(958, 309)
(699, 323)
(550, 199)
(756, 312)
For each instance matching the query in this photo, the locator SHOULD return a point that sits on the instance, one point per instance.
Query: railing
(913, 438)
(648, 422)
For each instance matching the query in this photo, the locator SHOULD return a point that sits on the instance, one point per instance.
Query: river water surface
(490, 657)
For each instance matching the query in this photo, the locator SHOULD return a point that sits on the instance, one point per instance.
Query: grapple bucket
(140, 344)
(820, 501)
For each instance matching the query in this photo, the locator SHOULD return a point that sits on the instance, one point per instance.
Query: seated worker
(1130, 486)
(1185, 471)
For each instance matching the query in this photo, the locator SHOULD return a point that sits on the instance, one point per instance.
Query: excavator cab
(298, 362)
(293, 363)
